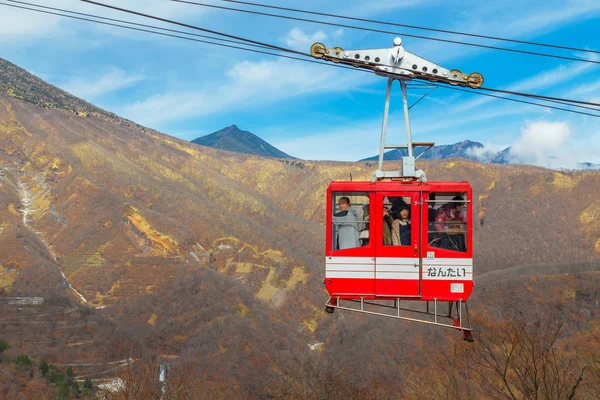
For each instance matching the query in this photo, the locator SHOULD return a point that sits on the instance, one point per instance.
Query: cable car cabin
(399, 240)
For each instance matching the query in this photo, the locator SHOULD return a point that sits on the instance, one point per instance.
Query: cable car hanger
(377, 271)
(398, 64)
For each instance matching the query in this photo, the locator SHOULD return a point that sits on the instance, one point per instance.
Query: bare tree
(139, 381)
(524, 360)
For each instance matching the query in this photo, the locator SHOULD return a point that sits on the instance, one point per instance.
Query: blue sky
(189, 89)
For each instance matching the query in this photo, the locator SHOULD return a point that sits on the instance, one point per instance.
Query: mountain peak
(235, 139)
(231, 129)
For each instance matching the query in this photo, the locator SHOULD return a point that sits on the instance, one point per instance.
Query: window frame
(468, 221)
(360, 251)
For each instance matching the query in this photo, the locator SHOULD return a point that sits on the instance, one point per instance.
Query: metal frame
(396, 62)
(464, 325)
(447, 201)
(408, 162)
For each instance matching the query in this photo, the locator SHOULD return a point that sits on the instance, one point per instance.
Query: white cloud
(338, 33)
(113, 79)
(542, 143)
(557, 144)
(248, 84)
(298, 40)
(486, 153)
(586, 89)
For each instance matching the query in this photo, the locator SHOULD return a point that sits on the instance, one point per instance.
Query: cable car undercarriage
(433, 309)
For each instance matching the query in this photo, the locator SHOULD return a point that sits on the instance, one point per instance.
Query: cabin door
(397, 246)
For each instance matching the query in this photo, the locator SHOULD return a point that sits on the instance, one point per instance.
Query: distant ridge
(234, 139)
(465, 149)
(588, 166)
(469, 150)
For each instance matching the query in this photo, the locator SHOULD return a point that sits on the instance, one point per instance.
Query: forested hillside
(148, 247)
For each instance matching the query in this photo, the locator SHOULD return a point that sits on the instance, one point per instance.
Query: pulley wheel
(475, 80)
(317, 50)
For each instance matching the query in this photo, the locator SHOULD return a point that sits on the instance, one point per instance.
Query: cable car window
(396, 221)
(350, 220)
(447, 220)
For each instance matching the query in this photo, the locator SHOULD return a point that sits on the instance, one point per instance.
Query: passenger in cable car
(449, 211)
(398, 203)
(401, 227)
(346, 221)
(450, 225)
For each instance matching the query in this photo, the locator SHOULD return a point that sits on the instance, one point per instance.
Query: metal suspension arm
(396, 63)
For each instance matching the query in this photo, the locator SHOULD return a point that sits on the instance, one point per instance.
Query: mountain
(469, 150)
(234, 139)
(502, 157)
(588, 165)
(145, 247)
(465, 149)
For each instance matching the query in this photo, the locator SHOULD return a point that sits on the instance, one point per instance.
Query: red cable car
(398, 239)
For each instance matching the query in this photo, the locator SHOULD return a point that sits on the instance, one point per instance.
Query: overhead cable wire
(566, 103)
(372, 21)
(571, 105)
(185, 38)
(132, 23)
(271, 46)
(540, 97)
(308, 55)
(382, 31)
(288, 57)
(521, 101)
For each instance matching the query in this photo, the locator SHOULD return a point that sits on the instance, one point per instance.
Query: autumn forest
(123, 249)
